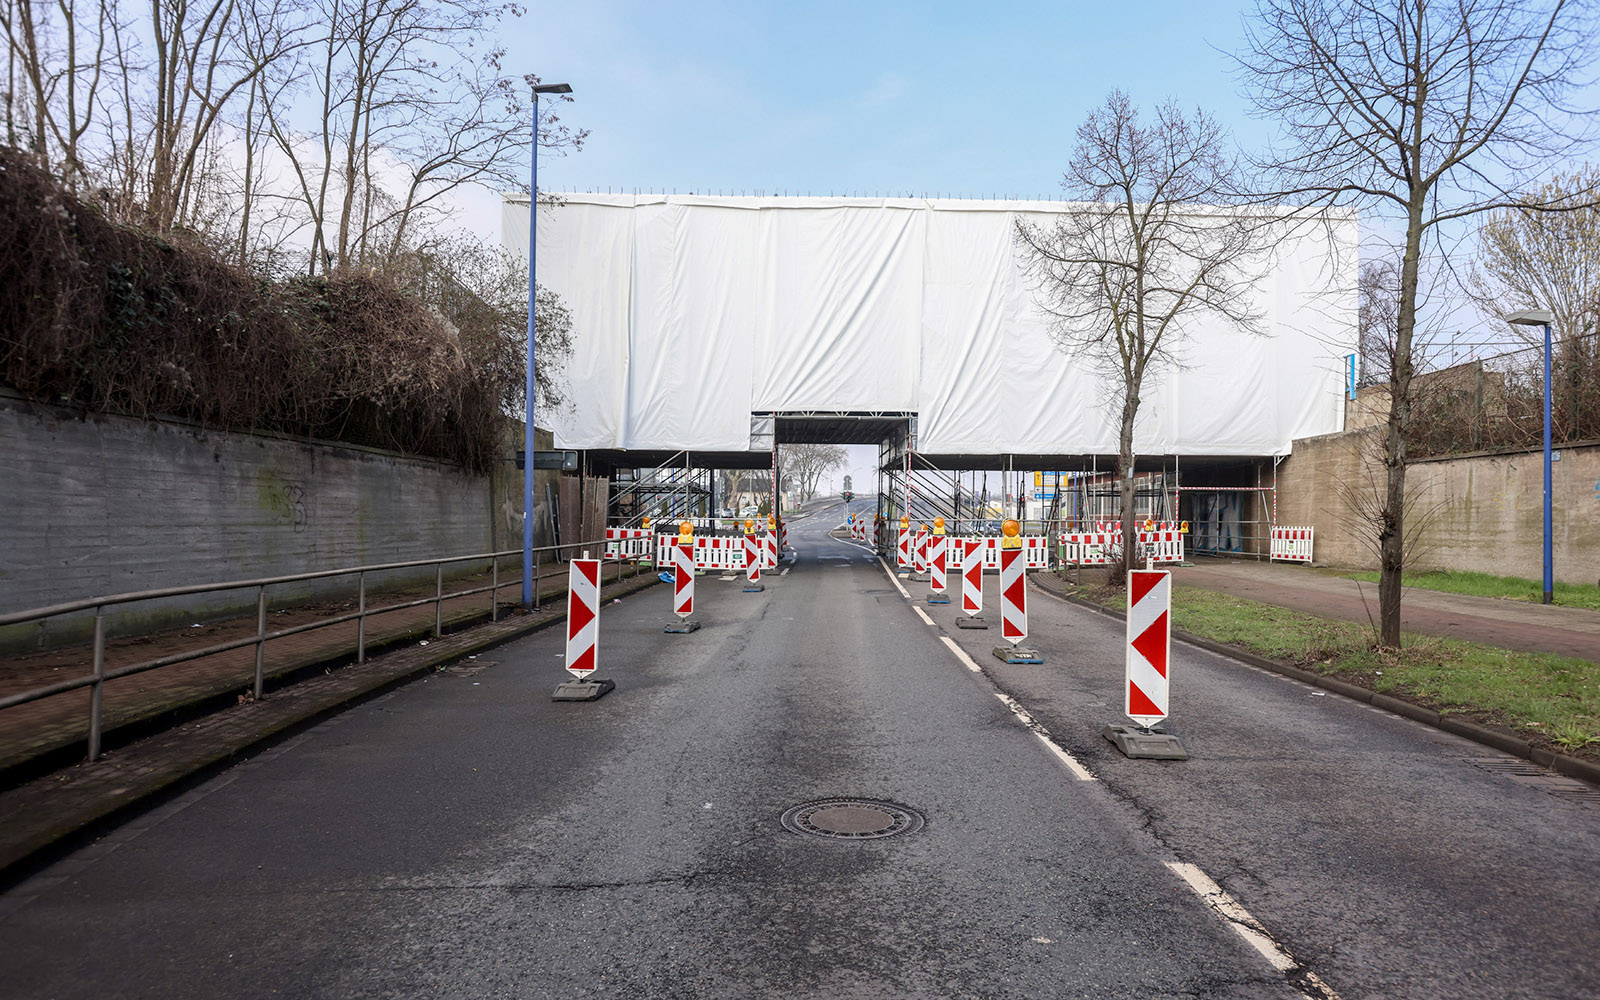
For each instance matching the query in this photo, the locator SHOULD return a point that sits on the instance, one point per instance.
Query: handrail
(32, 614)
(100, 675)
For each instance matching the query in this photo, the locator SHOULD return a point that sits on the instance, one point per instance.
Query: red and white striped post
(772, 543)
(683, 581)
(752, 559)
(1148, 657)
(903, 544)
(938, 547)
(919, 554)
(583, 633)
(1014, 597)
(971, 584)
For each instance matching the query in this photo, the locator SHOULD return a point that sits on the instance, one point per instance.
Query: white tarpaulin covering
(691, 313)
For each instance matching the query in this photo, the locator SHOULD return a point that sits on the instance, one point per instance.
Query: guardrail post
(438, 599)
(494, 590)
(261, 638)
(361, 622)
(99, 682)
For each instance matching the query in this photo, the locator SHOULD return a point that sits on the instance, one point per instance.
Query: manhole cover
(851, 819)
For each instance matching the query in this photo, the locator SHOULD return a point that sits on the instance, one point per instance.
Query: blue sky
(949, 98)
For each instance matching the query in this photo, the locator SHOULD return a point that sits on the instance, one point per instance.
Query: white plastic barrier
(1101, 548)
(1036, 552)
(1291, 544)
(629, 543)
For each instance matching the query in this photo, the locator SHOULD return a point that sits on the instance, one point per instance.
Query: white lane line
(961, 654)
(786, 571)
(892, 580)
(922, 614)
(1247, 926)
(1078, 770)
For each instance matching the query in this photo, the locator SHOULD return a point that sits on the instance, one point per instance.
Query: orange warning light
(1149, 525)
(1011, 528)
(772, 524)
(686, 529)
(938, 526)
(749, 526)
(1184, 528)
(905, 522)
(646, 524)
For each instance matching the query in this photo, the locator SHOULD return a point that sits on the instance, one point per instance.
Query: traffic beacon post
(650, 543)
(583, 633)
(938, 549)
(971, 583)
(1014, 597)
(752, 558)
(683, 581)
(902, 550)
(919, 555)
(1148, 656)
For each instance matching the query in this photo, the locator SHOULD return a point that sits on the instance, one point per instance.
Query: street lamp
(527, 440)
(1543, 317)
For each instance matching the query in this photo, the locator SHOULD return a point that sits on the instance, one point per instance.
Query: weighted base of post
(1145, 744)
(582, 690)
(919, 578)
(1017, 654)
(754, 588)
(975, 621)
(938, 598)
(683, 627)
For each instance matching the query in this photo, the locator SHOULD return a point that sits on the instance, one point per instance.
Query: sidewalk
(1534, 628)
(53, 732)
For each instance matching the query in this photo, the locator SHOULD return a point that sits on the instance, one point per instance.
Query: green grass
(1536, 694)
(1515, 588)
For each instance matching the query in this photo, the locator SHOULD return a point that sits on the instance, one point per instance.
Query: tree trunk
(1130, 535)
(1391, 531)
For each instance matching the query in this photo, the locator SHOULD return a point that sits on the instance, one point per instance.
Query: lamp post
(1543, 317)
(527, 440)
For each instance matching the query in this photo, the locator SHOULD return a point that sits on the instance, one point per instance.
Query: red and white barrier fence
(1291, 544)
(629, 543)
(1035, 549)
(1101, 548)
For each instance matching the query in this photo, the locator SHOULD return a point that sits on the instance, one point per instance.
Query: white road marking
(1078, 770)
(922, 614)
(961, 654)
(1247, 926)
(892, 580)
(786, 571)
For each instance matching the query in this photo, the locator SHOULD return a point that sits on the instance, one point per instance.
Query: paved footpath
(1536, 628)
(466, 837)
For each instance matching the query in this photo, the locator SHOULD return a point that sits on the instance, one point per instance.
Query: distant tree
(1148, 254)
(807, 463)
(1425, 113)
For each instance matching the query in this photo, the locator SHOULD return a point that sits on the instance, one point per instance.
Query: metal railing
(99, 675)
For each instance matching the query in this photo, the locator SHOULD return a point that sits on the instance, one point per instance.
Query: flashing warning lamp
(749, 526)
(772, 524)
(1149, 525)
(905, 522)
(938, 526)
(646, 523)
(1184, 528)
(926, 529)
(685, 532)
(1011, 529)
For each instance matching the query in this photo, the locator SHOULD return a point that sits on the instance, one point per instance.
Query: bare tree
(1154, 249)
(807, 463)
(57, 60)
(1428, 113)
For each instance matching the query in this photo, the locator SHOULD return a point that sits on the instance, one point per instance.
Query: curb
(41, 836)
(1504, 742)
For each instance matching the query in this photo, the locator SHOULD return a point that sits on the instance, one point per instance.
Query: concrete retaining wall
(1481, 512)
(109, 504)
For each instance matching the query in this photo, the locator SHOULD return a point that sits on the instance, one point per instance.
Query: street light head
(552, 88)
(1530, 317)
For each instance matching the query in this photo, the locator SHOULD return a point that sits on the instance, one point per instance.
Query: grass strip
(1513, 588)
(1550, 700)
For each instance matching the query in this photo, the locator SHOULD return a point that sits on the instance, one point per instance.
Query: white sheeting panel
(692, 312)
(842, 291)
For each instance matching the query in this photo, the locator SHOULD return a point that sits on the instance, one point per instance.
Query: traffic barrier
(903, 545)
(752, 560)
(1014, 598)
(583, 633)
(1148, 672)
(683, 566)
(1291, 544)
(919, 551)
(938, 545)
(770, 545)
(628, 543)
(971, 582)
(1102, 548)
(1035, 550)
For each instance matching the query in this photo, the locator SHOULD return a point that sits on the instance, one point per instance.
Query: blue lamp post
(1543, 317)
(527, 441)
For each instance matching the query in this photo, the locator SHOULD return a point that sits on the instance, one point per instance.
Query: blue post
(1549, 559)
(527, 441)
(1350, 383)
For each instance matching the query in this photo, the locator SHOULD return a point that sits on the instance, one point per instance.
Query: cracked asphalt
(466, 837)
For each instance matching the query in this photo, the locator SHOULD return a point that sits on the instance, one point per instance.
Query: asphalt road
(466, 837)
